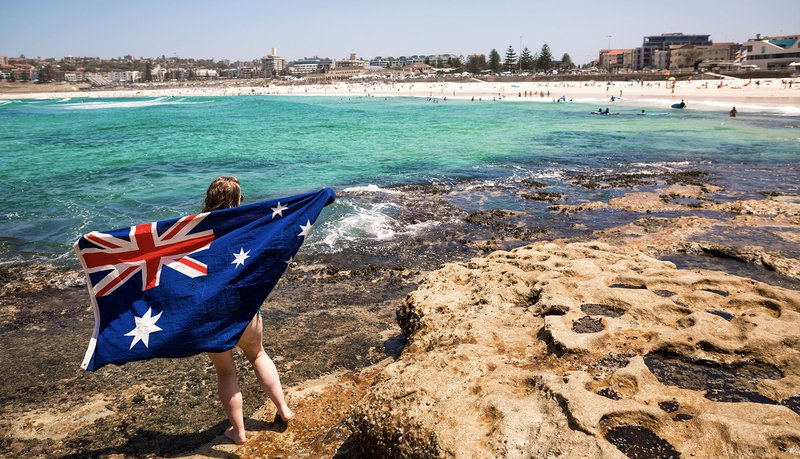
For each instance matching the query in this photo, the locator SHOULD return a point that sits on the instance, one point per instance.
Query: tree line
(526, 62)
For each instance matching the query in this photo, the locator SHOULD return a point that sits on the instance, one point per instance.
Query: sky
(246, 30)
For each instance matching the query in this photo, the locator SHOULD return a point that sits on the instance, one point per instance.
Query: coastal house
(22, 73)
(3, 59)
(616, 59)
(771, 53)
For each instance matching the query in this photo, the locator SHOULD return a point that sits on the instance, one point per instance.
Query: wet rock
(596, 309)
(793, 403)
(639, 442)
(722, 382)
(607, 392)
(587, 325)
(725, 315)
(542, 196)
(669, 406)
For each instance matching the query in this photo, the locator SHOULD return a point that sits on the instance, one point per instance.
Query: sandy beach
(775, 96)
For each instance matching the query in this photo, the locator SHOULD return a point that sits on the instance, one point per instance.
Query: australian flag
(179, 287)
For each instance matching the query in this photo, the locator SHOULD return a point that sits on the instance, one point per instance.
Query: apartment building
(646, 55)
(305, 66)
(273, 64)
(617, 59)
(770, 53)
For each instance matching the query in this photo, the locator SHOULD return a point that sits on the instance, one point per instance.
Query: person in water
(682, 104)
(733, 112)
(225, 192)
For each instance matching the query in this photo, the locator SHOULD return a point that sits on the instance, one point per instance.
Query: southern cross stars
(278, 210)
(306, 229)
(144, 326)
(239, 258)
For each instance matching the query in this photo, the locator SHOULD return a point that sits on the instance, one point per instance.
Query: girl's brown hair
(224, 192)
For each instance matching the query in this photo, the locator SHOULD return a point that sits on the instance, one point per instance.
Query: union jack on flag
(146, 251)
(178, 287)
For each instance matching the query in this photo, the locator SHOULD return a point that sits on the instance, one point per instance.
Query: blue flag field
(179, 287)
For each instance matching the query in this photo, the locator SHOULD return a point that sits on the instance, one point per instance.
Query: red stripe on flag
(194, 265)
(113, 284)
(179, 226)
(100, 241)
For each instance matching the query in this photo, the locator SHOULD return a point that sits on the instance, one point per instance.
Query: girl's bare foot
(285, 413)
(235, 436)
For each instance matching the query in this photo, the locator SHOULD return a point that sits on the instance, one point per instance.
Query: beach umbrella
(671, 78)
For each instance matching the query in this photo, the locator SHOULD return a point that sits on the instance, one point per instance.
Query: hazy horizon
(243, 30)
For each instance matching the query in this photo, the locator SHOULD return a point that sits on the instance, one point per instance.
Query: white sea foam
(130, 104)
(369, 189)
(360, 222)
(664, 164)
(364, 222)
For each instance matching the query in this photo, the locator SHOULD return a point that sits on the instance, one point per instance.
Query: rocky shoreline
(564, 346)
(586, 350)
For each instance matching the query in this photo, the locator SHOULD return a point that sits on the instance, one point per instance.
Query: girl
(225, 192)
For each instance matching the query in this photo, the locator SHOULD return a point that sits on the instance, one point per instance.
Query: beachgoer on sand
(225, 192)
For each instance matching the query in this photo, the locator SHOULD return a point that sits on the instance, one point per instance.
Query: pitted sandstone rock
(493, 367)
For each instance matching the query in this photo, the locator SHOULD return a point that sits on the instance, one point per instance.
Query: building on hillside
(74, 77)
(273, 64)
(770, 53)
(644, 57)
(245, 71)
(205, 73)
(418, 69)
(22, 73)
(59, 76)
(718, 55)
(616, 59)
(157, 72)
(305, 66)
(351, 63)
(76, 59)
(388, 62)
(127, 76)
(3, 59)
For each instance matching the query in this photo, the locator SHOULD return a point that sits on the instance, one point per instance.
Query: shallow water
(404, 168)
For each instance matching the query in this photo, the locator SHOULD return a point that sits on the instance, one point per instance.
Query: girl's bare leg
(229, 394)
(251, 343)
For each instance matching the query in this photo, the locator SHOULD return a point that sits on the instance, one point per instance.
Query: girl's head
(224, 192)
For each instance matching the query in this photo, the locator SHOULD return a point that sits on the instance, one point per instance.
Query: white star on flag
(289, 261)
(239, 258)
(278, 210)
(306, 229)
(144, 326)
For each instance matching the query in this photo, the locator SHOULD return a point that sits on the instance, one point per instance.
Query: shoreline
(772, 96)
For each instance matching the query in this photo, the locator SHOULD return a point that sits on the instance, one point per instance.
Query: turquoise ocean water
(70, 166)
